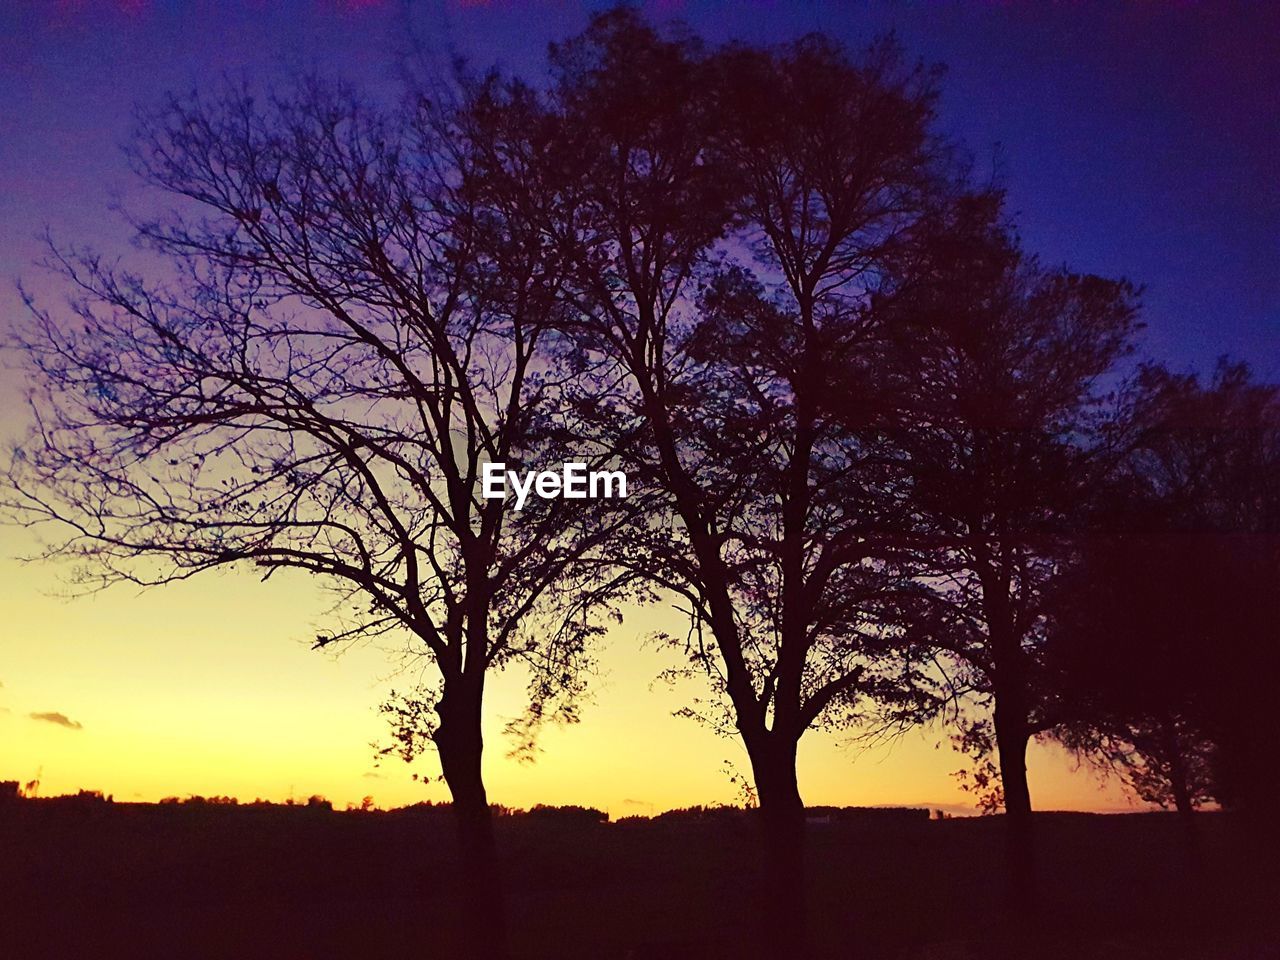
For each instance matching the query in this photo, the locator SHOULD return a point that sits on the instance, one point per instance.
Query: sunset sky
(1135, 139)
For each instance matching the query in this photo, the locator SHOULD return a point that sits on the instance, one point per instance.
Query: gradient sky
(1137, 139)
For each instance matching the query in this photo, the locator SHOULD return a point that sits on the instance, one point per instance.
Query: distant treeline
(11, 792)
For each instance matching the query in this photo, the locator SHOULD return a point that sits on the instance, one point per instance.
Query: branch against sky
(330, 336)
(727, 220)
(1009, 365)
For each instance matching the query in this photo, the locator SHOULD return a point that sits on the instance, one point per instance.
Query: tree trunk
(1020, 853)
(1183, 802)
(1011, 717)
(783, 888)
(483, 908)
(1181, 795)
(1186, 813)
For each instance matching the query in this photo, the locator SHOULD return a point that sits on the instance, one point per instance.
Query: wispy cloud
(61, 719)
(374, 776)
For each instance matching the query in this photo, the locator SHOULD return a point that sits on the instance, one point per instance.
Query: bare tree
(336, 338)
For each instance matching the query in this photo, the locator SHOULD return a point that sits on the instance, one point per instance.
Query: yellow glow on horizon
(209, 687)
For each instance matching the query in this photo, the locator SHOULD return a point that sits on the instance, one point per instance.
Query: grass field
(292, 883)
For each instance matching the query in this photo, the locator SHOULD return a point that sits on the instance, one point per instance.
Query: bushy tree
(1163, 622)
(728, 219)
(1008, 364)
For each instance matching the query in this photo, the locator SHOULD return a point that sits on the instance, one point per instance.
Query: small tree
(1209, 454)
(1124, 690)
(1159, 633)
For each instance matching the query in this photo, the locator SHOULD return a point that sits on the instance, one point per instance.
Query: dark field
(132, 880)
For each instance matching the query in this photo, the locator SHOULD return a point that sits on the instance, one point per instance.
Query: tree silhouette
(1005, 439)
(1211, 454)
(729, 220)
(1124, 685)
(337, 338)
(1160, 625)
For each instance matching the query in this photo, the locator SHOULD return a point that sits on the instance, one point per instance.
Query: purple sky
(1138, 139)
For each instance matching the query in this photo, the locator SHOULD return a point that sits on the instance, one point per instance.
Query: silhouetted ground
(138, 881)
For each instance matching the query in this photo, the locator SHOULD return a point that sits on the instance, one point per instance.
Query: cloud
(374, 776)
(61, 719)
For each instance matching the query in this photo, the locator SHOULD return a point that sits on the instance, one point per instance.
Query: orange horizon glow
(209, 687)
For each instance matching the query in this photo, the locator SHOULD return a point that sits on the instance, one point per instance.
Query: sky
(1134, 139)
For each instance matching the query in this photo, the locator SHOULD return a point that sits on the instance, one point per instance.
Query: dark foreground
(139, 881)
